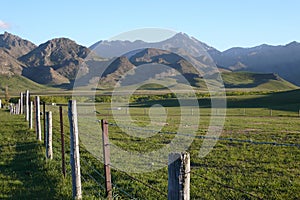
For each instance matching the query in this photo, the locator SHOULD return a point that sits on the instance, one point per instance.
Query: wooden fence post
(74, 150)
(106, 152)
(38, 119)
(44, 120)
(63, 161)
(30, 115)
(179, 176)
(271, 113)
(27, 105)
(49, 152)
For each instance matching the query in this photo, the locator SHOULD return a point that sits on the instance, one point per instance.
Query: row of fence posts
(178, 169)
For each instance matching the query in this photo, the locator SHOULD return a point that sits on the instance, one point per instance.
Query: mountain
(116, 48)
(283, 60)
(14, 45)
(57, 61)
(142, 65)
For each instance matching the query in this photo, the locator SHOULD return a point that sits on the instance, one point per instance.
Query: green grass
(24, 171)
(265, 171)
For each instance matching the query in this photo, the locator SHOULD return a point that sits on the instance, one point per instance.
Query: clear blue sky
(221, 24)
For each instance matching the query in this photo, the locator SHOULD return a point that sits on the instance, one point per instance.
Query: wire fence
(94, 180)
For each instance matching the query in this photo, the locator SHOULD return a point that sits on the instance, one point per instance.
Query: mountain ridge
(58, 60)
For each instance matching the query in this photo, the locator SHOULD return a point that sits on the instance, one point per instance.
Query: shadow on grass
(285, 101)
(30, 170)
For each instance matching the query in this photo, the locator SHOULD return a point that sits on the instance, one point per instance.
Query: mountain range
(59, 61)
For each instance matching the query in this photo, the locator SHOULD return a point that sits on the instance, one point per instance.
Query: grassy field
(232, 170)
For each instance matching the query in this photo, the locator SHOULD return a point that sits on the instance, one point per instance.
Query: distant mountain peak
(179, 41)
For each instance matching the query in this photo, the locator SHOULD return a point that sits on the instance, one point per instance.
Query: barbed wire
(85, 191)
(96, 171)
(145, 184)
(226, 186)
(212, 137)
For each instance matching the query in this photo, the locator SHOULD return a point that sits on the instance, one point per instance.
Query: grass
(232, 170)
(24, 171)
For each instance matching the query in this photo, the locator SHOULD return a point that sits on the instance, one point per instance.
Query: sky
(221, 24)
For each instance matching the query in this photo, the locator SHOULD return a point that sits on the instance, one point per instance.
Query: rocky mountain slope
(15, 45)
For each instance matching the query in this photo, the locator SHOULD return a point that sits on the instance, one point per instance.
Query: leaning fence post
(106, 152)
(38, 119)
(74, 150)
(49, 152)
(63, 161)
(179, 176)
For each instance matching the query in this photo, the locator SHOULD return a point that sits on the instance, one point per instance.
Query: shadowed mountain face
(15, 45)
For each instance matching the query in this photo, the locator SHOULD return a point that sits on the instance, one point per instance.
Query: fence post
(74, 150)
(30, 115)
(0, 104)
(63, 161)
(49, 152)
(179, 176)
(38, 119)
(106, 152)
(271, 112)
(27, 105)
(21, 103)
(44, 120)
(18, 107)
(11, 109)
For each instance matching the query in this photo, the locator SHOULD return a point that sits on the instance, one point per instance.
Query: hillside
(258, 81)
(19, 83)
